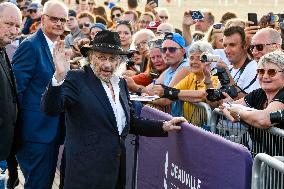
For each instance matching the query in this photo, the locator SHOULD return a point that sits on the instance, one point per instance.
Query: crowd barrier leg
(267, 172)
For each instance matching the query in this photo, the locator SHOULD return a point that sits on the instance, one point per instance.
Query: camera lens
(204, 58)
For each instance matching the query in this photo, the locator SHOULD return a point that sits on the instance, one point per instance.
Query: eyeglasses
(270, 72)
(87, 25)
(170, 49)
(218, 26)
(32, 11)
(91, 3)
(116, 15)
(110, 58)
(123, 22)
(155, 44)
(142, 44)
(55, 19)
(260, 47)
(163, 17)
(144, 22)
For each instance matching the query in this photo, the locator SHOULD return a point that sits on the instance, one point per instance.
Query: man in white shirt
(242, 69)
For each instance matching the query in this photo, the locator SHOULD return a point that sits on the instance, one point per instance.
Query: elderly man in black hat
(99, 114)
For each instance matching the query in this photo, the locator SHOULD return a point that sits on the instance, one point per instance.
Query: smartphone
(253, 18)
(155, 1)
(196, 15)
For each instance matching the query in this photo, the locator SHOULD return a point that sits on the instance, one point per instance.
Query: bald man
(33, 68)
(264, 41)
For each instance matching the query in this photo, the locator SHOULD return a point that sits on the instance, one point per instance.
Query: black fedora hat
(105, 41)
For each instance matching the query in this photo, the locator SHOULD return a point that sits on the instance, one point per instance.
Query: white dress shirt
(50, 44)
(115, 104)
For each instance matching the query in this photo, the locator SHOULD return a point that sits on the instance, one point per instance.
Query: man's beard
(97, 71)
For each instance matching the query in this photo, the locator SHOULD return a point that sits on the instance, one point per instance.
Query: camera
(129, 64)
(216, 94)
(209, 58)
(277, 116)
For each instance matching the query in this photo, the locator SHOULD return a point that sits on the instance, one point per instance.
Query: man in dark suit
(33, 67)
(10, 21)
(99, 115)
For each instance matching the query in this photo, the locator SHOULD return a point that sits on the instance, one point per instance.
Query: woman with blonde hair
(214, 36)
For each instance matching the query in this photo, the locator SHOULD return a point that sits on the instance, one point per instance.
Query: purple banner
(192, 158)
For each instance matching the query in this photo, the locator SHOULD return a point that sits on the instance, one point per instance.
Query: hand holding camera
(187, 19)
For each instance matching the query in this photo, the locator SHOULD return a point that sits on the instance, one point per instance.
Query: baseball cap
(72, 13)
(33, 6)
(153, 25)
(176, 37)
(98, 25)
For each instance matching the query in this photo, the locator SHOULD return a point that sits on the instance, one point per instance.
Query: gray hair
(49, 4)
(5, 5)
(275, 57)
(273, 35)
(165, 10)
(201, 46)
(149, 33)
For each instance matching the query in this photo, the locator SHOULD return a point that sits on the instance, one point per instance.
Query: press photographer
(242, 72)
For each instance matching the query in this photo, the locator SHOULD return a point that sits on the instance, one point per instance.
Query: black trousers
(12, 166)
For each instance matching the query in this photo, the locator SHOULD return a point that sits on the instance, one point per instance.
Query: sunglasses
(159, 33)
(164, 17)
(116, 15)
(218, 26)
(87, 25)
(55, 19)
(91, 3)
(170, 49)
(270, 72)
(123, 22)
(32, 11)
(260, 47)
(169, 36)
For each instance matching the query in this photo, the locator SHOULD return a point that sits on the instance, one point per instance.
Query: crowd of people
(66, 75)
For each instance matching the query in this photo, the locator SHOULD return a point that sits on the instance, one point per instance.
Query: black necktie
(5, 62)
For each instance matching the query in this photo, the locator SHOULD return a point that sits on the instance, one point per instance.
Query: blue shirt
(169, 73)
(177, 107)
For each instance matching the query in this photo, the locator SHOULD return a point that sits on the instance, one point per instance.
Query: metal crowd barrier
(198, 114)
(270, 141)
(267, 172)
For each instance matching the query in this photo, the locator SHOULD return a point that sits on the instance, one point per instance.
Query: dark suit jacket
(8, 107)
(33, 68)
(95, 152)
